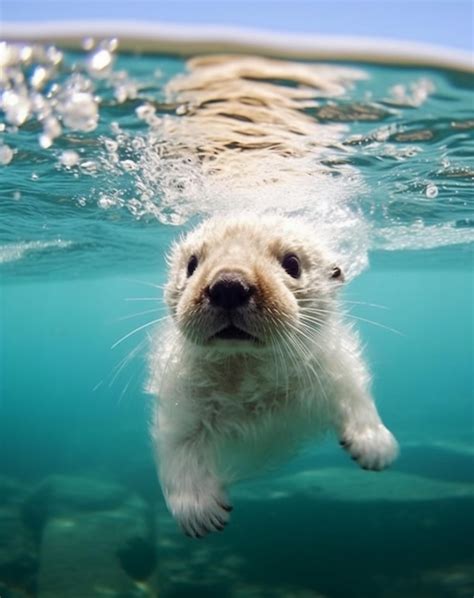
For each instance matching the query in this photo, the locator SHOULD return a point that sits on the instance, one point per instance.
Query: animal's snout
(229, 291)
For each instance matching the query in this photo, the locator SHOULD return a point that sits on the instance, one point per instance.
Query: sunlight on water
(16, 251)
(378, 158)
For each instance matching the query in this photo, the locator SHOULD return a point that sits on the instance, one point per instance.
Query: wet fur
(226, 408)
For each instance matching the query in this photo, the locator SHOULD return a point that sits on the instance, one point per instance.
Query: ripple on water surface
(103, 154)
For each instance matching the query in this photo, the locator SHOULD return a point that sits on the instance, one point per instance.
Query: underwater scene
(106, 158)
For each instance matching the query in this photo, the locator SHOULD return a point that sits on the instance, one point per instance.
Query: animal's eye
(192, 265)
(291, 264)
(337, 273)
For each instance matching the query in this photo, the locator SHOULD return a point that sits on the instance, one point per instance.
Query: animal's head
(251, 282)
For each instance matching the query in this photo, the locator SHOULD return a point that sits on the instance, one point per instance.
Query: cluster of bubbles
(37, 84)
(149, 184)
(58, 98)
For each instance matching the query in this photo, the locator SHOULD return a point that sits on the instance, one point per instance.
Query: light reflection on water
(86, 139)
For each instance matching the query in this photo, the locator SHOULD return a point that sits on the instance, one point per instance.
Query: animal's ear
(336, 274)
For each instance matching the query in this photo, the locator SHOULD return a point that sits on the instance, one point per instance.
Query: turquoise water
(82, 255)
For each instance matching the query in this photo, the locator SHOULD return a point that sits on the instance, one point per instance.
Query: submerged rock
(11, 492)
(69, 493)
(94, 539)
(62, 495)
(138, 558)
(18, 557)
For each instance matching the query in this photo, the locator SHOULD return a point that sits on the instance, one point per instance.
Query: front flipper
(374, 447)
(201, 509)
(193, 491)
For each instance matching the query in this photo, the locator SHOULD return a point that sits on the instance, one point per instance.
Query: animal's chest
(255, 428)
(242, 398)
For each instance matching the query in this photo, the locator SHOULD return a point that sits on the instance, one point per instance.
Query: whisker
(288, 360)
(124, 390)
(378, 324)
(310, 356)
(98, 385)
(297, 349)
(123, 362)
(137, 330)
(141, 313)
(146, 283)
(365, 304)
(278, 362)
(349, 315)
(281, 355)
(345, 301)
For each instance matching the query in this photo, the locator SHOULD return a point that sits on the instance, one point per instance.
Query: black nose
(229, 292)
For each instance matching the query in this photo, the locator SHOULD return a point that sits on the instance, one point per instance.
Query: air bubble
(69, 158)
(106, 202)
(100, 63)
(125, 91)
(144, 111)
(80, 112)
(138, 143)
(39, 77)
(129, 165)
(111, 145)
(16, 107)
(52, 128)
(40, 106)
(54, 55)
(431, 191)
(88, 167)
(6, 154)
(45, 141)
(88, 43)
(115, 127)
(9, 54)
(26, 53)
(111, 44)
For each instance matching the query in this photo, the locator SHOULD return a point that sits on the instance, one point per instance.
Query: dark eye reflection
(192, 265)
(291, 264)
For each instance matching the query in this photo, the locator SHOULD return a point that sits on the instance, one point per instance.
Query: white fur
(227, 407)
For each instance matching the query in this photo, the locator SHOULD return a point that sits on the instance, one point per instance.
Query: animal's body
(256, 359)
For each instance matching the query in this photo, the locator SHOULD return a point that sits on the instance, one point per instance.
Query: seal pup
(255, 359)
